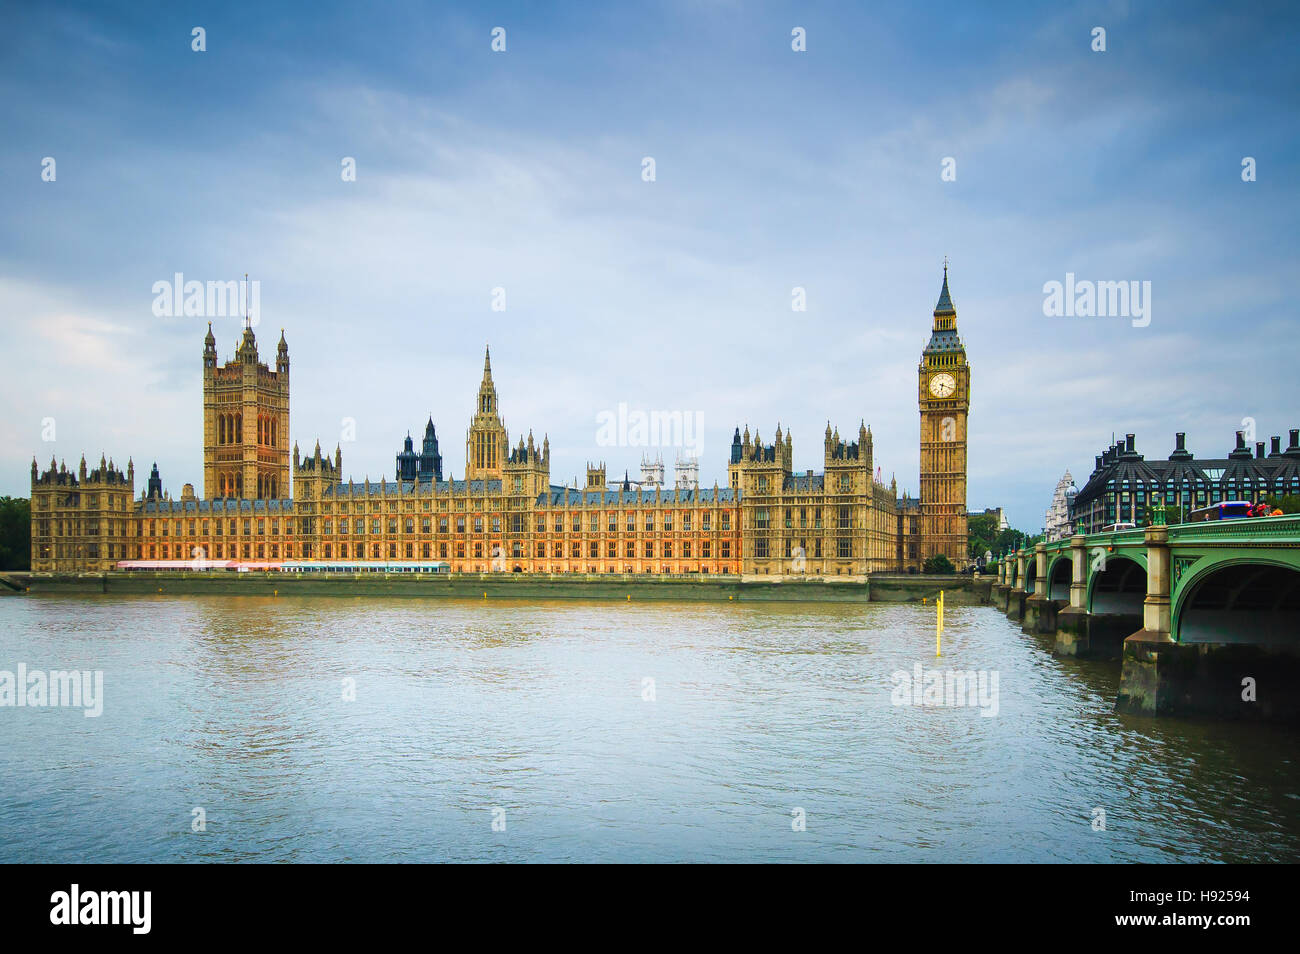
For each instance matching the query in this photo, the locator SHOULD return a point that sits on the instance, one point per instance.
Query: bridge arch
(1060, 574)
(1254, 601)
(1118, 585)
(1031, 570)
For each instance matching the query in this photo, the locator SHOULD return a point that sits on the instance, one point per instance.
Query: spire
(487, 363)
(945, 307)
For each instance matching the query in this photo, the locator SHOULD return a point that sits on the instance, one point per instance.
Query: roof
(944, 306)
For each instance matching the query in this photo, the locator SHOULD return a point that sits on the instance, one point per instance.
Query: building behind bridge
(1124, 486)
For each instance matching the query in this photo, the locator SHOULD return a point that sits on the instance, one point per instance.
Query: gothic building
(506, 515)
(245, 422)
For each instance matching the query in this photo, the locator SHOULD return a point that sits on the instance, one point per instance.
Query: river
(364, 729)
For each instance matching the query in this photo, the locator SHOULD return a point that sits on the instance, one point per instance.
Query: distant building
(1124, 486)
(1058, 523)
(999, 518)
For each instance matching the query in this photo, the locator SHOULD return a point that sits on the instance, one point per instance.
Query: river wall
(958, 590)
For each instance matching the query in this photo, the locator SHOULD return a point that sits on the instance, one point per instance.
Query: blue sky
(774, 169)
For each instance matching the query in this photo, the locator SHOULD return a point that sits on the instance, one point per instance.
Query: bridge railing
(1245, 529)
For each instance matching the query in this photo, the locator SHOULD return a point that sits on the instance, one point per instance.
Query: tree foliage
(938, 564)
(15, 533)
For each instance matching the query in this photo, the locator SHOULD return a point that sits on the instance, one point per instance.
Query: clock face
(943, 385)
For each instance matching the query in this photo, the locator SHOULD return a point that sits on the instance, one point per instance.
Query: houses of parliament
(261, 503)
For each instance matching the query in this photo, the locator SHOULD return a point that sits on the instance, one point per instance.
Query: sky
(774, 169)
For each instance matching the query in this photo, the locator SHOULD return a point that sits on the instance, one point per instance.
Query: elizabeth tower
(944, 396)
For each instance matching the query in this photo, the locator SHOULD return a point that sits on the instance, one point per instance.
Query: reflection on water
(236, 705)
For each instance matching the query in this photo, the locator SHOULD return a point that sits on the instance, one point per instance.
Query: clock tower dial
(943, 385)
(944, 399)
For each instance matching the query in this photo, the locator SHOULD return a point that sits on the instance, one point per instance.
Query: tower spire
(945, 306)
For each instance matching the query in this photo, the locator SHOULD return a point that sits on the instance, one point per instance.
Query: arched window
(272, 432)
(221, 429)
(239, 431)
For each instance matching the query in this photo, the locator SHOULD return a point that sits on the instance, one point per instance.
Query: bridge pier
(1040, 610)
(1072, 638)
(1002, 587)
(1016, 597)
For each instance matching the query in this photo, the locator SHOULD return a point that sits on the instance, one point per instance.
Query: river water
(363, 729)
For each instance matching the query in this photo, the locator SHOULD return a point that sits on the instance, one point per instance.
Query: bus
(1227, 510)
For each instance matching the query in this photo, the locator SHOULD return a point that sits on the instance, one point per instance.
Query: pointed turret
(944, 305)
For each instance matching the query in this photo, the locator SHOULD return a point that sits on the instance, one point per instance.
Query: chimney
(1276, 450)
(1098, 467)
(1241, 440)
(1179, 441)
(1259, 450)
(1128, 443)
(1293, 449)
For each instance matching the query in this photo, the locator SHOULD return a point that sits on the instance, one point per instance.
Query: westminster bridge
(1206, 616)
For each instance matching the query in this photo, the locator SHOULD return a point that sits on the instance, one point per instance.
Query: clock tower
(944, 396)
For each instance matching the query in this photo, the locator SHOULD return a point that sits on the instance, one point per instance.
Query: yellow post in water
(938, 624)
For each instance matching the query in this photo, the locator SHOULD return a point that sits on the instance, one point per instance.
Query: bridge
(1205, 616)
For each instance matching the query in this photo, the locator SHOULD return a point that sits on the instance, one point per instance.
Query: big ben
(944, 397)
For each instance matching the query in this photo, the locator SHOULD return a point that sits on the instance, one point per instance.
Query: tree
(981, 535)
(938, 564)
(15, 533)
